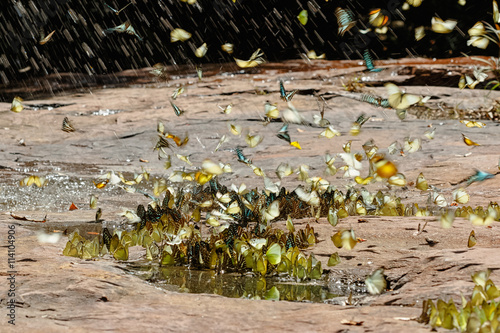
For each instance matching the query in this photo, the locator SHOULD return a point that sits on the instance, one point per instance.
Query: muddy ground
(116, 129)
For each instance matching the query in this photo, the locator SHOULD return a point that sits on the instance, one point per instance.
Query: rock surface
(54, 292)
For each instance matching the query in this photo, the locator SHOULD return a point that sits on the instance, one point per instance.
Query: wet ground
(116, 129)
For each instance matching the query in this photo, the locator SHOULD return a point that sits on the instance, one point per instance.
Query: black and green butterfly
(369, 62)
(287, 97)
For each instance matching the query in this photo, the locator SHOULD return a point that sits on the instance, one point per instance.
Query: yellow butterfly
(36, 180)
(313, 56)
(363, 181)
(93, 201)
(398, 99)
(255, 60)
(295, 144)
(175, 94)
(253, 140)
(376, 283)
(228, 48)
(179, 34)
(46, 39)
(422, 184)
(447, 219)
(460, 196)
(347, 147)
(284, 170)
(17, 106)
(438, 199)
(345, 239)
(273, 254)
(271, 110)
(330, 168)
(412, 146)
(222, 140)
(377, 18)
(334, 260)
(310, 198)
(469, 142)
(201, 51)
(235, 129)
(487, 220)
(289, 224)
(272, 211)
(184, 158)
(211, 167)
(397, 180)
(383, 167)
(303, 16)
(471, 123)
(330, 132)
(472, 239)
(419, 33)
(477, 34)
(414, 3)
(442, 27)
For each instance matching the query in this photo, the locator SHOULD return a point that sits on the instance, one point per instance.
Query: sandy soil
(55, 293)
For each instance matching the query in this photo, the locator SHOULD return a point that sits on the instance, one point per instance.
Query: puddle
(185, 280)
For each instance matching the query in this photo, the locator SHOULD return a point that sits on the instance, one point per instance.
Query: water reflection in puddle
(182, 279)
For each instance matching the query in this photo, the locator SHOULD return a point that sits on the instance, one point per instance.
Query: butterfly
(421, 183)
(211, 167)
(397, 180)
(373, 100)
(287, 97)
(98, 215)
(377, 18)
(17, 106)
(45, 39)
(447, 219)
(477, 34)
(283, 170)
(93, 201)
(67, 126)
(345, 239)
(419, 33)
(469, 142)
(201, 51)
(273, 254)
(460, 196)
(345, 20)
(369, 62)
(179, 34)
(36, 180)
(414, 3)
(398, 99)
(330, 132)
(124, 27)
(471, 123)
(313, 56)
(253, 140)
(255, 60)
(283, 133)
(472, 239)
(177, 92)
(376, 283)
(178, 112)
(271, 110)
(356, 126)
(241, 157)
(228, 48)
(442, 27)
(303, 16)
(334, 260)
(117, 12)
(412, 146)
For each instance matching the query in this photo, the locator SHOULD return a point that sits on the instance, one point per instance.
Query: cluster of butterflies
(471, 315)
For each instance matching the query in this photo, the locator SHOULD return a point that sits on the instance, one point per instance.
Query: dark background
(271, 25)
